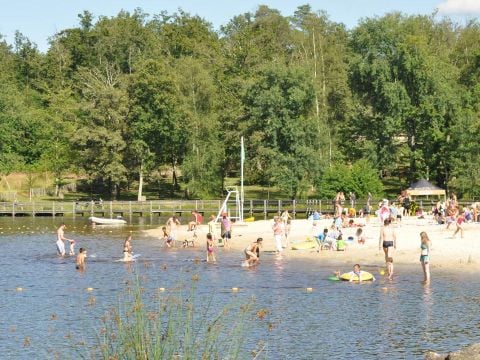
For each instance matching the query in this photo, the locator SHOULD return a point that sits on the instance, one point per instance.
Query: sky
(40, 19)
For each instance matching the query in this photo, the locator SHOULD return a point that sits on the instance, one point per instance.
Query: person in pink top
(459, 223)
(278, 232)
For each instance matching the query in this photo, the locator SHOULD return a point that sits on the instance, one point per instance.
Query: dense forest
(140, 98)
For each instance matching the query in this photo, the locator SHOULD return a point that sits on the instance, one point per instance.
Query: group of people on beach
(448, 212)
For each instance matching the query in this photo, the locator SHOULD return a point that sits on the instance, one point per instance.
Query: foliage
(173, 327)
(360, 178)
(115, 99)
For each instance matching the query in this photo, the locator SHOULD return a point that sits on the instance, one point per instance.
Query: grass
(174, 328)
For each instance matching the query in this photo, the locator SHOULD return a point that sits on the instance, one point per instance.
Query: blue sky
(40, 19)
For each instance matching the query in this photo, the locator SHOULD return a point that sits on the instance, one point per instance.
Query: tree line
(122, 100)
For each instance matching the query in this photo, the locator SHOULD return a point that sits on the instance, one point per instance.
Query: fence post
(130, 208)
(53, 208)
(111, 209)
(294, 205)
(74, 208)
(279, 207)
(265, 209)
(33, 208)
(13, 209)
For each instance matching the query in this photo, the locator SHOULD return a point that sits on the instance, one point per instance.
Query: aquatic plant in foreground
(175, 328)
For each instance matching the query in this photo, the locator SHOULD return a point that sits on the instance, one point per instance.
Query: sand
(446, 251)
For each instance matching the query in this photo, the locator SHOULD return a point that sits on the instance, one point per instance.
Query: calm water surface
(398, 320)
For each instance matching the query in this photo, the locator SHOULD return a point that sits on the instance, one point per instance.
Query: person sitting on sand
(341, 245)
(128, 249)
(80, 262)
(252, 252)
(360, 236)
(197, 220)
(320, 238)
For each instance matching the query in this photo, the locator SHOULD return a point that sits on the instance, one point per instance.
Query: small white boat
(105, 221)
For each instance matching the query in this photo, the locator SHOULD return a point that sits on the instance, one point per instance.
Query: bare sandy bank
(447, 252)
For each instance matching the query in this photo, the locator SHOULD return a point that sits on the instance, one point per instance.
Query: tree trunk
(140, 182)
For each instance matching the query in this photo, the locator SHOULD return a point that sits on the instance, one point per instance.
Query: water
(54, 315)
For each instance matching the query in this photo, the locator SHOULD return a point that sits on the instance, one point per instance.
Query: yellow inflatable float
(365, 275)
(305, 245)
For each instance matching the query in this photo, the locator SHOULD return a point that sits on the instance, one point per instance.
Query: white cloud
(460, 7)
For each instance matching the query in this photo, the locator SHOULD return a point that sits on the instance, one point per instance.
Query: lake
(399, 319)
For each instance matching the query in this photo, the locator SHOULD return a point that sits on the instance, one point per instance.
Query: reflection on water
(54, 314)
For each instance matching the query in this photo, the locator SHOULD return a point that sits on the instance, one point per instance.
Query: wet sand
(446, 251)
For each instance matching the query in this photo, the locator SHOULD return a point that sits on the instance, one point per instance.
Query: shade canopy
(424, 188)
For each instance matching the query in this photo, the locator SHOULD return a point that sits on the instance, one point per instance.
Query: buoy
(309, 289)
(161, 289)
(382, 272)
(234, 289)
(19, 289)
(89, 289)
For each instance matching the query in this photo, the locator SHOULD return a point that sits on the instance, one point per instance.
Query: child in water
(167, 239)
(425, 244)
(355, 274)
(210, 249)
(72, 247)
(80, 263)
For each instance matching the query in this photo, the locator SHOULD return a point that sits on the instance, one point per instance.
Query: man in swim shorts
(388, 241)
(61, 240)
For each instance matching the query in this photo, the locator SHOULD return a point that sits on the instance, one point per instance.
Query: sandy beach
(446, 251)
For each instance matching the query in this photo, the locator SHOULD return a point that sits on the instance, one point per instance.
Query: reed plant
(175, 325)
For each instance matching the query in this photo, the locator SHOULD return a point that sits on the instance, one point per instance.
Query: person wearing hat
(252, 252)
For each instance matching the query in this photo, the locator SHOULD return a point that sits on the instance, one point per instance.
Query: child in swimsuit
(72, 247)
(210, 249)
(425, 255)
(167, 239)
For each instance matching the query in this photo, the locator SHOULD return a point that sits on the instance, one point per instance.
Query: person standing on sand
(425, 244)
(61, 240)
(226, 230)
(278, 232)
(459, 224)
(388, 241)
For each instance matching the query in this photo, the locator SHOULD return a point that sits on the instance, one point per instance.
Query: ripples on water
(396, 320)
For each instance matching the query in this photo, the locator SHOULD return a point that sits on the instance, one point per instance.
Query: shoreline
(446, 252)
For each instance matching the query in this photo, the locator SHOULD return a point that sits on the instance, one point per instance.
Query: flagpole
(242, 160)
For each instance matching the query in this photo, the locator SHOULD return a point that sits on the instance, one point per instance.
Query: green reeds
(174, 325)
